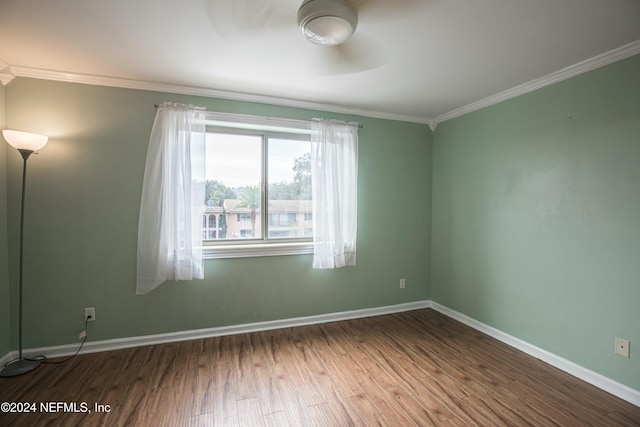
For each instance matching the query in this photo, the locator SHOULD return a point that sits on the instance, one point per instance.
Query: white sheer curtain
(172, 205)
(334, 176)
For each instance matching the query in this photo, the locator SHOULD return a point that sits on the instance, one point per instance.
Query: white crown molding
(9, 72)
(607, 384)
(36, 73)
(6, 75)
(599, 61)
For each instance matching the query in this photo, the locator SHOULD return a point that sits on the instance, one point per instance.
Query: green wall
(5, 322)
(536, 218)
(82, 218)
(535, 228)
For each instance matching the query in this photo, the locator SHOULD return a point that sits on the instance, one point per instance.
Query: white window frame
(272, 127)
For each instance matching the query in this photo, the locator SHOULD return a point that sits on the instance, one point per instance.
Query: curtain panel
(172, 203)
(334, 181)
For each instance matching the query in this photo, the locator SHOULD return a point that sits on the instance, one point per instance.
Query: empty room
(320, 213)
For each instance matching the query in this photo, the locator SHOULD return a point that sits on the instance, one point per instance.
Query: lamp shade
(25, 140)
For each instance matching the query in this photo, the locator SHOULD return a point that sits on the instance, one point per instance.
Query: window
(282, 219)
(209, 226)
(258, 186)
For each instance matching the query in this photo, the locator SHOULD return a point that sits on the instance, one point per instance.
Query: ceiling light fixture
(327, 22)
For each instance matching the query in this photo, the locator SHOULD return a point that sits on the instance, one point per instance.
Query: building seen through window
(258, 187)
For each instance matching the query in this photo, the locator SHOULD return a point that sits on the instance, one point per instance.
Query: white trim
(248, 121)
(599, 61)
(6, 75)
(256, 250)
(590, 64)
(36, 73)
(617, 389)
(130, 342)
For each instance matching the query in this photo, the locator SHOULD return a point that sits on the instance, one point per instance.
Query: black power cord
(44, 359)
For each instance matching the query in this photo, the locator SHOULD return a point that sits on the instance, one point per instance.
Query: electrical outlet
(622, 347)
(401, 283)
(90, 312)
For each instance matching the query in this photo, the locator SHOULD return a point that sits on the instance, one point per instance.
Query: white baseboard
(129, 342)
(617, 389)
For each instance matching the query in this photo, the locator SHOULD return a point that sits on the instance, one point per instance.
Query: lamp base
(19, 367)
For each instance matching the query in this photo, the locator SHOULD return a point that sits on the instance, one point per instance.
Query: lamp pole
(25, 155)
(17, 140)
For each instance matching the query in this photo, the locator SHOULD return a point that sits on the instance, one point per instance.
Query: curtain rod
(359, 125)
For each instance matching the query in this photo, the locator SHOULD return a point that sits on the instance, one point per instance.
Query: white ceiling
(416, 59)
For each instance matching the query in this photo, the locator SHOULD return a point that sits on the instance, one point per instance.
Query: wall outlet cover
(622, 347)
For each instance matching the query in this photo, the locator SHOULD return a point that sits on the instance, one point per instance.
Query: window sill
(256, 250)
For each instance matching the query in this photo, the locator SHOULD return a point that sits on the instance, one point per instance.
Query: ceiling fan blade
(375, 10)
(356, 55)
(240, 18)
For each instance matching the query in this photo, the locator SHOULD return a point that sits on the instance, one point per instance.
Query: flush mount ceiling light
(327, 22)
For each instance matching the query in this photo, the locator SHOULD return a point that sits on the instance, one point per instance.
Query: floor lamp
(26, 143)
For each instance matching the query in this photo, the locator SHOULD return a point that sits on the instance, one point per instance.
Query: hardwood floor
(415, 368)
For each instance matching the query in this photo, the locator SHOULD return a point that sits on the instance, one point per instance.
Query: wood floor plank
(365, 410)
(331, 414)
(244, 378)
(308, 386)
(212, 420)
(249, 414)
(418, 408)
(417, 368)
(293, 398)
